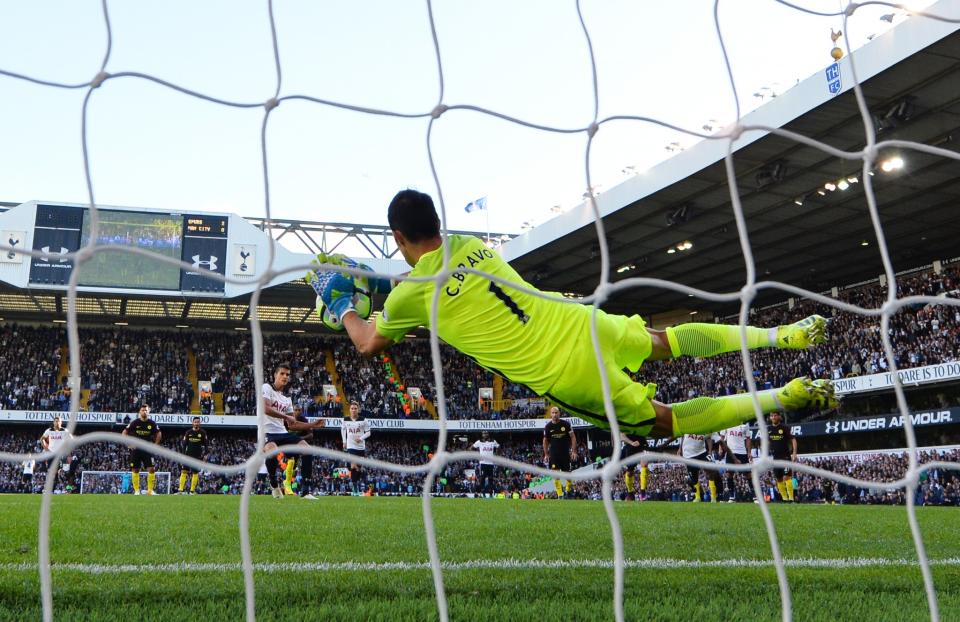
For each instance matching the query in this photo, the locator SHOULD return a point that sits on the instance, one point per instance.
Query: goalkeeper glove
(318, 261)
(335, 259)
(376, 284)
(335, 289)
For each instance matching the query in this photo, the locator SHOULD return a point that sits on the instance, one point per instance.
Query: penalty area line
(481, 564)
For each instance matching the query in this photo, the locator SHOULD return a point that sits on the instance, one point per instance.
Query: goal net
(593, 128)
(120, 482)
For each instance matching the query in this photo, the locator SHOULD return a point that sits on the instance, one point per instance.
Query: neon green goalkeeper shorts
(624, 343)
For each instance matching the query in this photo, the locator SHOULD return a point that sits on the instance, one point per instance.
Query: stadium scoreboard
(197, 239)
(212, 226)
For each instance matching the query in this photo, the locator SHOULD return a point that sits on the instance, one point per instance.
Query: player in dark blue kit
(145, 428)
(194, 445)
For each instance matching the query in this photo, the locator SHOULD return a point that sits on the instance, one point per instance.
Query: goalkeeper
(546, 344)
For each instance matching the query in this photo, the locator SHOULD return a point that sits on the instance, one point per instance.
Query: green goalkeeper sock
(703, 415)
(712, 339)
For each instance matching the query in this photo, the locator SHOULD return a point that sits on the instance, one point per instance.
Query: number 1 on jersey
(507, 300)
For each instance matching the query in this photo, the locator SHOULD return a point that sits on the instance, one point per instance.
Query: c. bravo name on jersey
(475, 258)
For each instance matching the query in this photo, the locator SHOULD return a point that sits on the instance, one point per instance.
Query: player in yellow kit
(546, 344)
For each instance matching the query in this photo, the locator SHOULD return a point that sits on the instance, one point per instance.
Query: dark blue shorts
(560, 461)
(288, 438)
(140, 459)
(627, 450)
(357, 452)
(743, 458)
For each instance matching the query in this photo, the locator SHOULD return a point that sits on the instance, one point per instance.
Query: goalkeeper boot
(803, 334)
(795, 395)
(288, 490)
(805, 393)
(824, 394)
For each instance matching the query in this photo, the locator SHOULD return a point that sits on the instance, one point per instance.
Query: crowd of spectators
(462, 377)
(669, 481)
(920, 335)
(368, 381)
(122, 368)
(227, 362)
(231, 446)
(666, 482)
(30, 368)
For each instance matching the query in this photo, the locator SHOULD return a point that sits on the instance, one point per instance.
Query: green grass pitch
(182, 557)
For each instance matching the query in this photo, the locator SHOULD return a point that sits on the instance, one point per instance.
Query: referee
(559, 448)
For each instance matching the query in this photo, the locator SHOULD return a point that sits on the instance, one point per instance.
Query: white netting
(604, 290)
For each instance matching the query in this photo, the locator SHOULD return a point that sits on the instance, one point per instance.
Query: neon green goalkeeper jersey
(507, 330)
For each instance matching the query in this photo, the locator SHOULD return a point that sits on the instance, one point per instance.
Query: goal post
(119, 482)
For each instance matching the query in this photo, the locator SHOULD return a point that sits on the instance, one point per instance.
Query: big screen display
(160, 234)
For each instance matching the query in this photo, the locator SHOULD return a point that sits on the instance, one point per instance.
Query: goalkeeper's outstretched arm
(364, 334)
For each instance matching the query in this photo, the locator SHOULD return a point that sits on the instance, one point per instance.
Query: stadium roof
(815, 245)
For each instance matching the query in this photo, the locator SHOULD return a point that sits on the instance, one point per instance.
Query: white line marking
(481, 564)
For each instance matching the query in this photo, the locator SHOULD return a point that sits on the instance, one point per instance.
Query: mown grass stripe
(481, 564)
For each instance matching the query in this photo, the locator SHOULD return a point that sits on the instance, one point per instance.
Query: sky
(153, 147)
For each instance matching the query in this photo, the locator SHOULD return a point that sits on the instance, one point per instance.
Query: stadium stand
(123, 366)
(29, 368)
(667, 482)
(226, 362)
(462, 377)
(923, 336)
(366, 381)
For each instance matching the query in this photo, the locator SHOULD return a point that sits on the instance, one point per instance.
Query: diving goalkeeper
(546, 344)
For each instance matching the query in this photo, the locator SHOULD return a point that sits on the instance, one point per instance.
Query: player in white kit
(280, 424)
(354, 431)
(28, 467)
(486, 447)
(700, 447)
(52, 439)
(736, 448)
